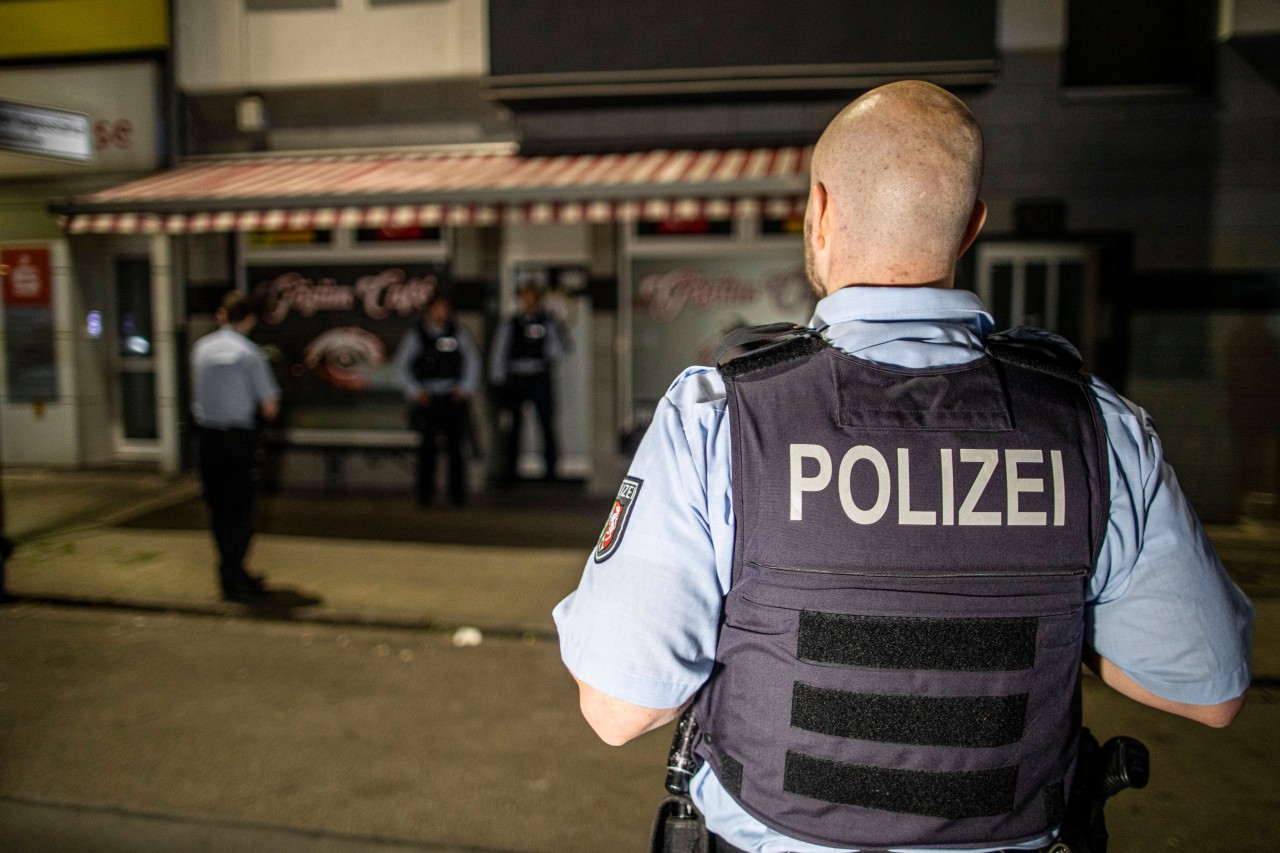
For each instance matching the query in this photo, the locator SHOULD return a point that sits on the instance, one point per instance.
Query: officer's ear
(977, 218)
(818, 215)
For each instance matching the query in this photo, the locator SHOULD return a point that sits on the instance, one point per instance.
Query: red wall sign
(28, 277)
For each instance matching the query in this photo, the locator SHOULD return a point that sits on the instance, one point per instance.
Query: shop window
(790, 225)
(684, 305)
(684, 228)
(288, 239)
(416, 234)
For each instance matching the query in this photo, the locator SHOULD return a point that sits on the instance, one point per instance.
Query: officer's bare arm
(1218, 716)
(616, 721)
(270, 409)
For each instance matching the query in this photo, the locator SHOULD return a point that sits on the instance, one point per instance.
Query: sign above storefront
(106, 118)
(47, 131)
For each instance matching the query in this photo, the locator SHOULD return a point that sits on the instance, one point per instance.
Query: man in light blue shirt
(893, 204)
(231, 385)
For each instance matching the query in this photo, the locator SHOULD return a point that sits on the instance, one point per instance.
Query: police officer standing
(232, 385)
(879, 614)
(439, 368)
(524, 349)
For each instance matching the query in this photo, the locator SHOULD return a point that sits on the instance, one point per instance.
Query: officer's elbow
(608, 730)
(615, 721)
(1218, 716)
(600, 712)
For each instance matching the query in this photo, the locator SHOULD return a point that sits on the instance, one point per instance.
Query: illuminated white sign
(47, 131)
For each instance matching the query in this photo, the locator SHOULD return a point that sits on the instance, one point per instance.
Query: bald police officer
(231, 384)
(879, 615)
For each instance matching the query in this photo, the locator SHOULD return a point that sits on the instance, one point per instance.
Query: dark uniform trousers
(448, 417)
(537, 390)
(226, 458)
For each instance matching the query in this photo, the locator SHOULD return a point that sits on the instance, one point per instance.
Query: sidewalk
(77, 542)
(136, 539)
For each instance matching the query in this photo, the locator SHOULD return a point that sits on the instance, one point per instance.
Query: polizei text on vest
(1015, 472)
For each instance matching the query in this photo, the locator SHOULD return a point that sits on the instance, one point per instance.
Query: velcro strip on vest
(971, 721)
(953, 795)
(731, 774)
(910, 643)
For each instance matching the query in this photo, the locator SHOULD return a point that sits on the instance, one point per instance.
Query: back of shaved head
(900, 168)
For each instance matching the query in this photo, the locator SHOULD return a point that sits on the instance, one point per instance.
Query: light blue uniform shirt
(642, 625)
(230, 378)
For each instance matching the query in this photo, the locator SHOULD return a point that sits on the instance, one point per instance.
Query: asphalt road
(127, 732)
(122, 732)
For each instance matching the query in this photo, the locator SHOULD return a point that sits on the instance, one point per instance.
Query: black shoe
(255, 582)
(245, 593)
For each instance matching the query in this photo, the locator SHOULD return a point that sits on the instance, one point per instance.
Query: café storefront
(648, 257)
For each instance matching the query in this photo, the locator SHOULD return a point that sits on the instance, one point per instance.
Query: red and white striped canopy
(404, 190)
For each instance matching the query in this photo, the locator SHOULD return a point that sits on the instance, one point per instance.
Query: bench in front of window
(335, 445)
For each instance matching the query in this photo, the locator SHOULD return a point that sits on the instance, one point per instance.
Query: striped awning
(274, 192)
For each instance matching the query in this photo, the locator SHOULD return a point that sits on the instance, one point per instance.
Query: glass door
(135, 368)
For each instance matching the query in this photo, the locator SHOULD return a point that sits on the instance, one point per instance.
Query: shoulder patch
(616, 524)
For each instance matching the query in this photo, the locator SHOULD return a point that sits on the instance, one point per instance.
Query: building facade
(647, 163)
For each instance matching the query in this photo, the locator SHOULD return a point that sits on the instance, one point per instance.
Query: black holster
(678, 828)
(1101, 773)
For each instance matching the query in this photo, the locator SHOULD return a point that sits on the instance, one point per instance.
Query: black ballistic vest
(440, 356)
(898, 664)
(528, 337)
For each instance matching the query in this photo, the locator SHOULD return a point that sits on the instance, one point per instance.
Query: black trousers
(537, 390)
(226, 459)
(443, 416)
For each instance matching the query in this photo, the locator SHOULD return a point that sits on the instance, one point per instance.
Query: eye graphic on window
(345, 356)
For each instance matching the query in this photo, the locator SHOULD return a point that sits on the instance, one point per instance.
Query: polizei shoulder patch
(616, 524)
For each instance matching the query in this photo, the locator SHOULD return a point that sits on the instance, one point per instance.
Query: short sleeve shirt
(230, 378)
(642, 625)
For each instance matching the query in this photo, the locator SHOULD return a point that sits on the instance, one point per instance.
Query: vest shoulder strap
(755, 348)
(1036, 349)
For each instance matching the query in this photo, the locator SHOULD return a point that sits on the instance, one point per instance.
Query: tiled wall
(1195, 183)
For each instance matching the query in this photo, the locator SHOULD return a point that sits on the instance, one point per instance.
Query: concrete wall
(93, 260)
(219, 45)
